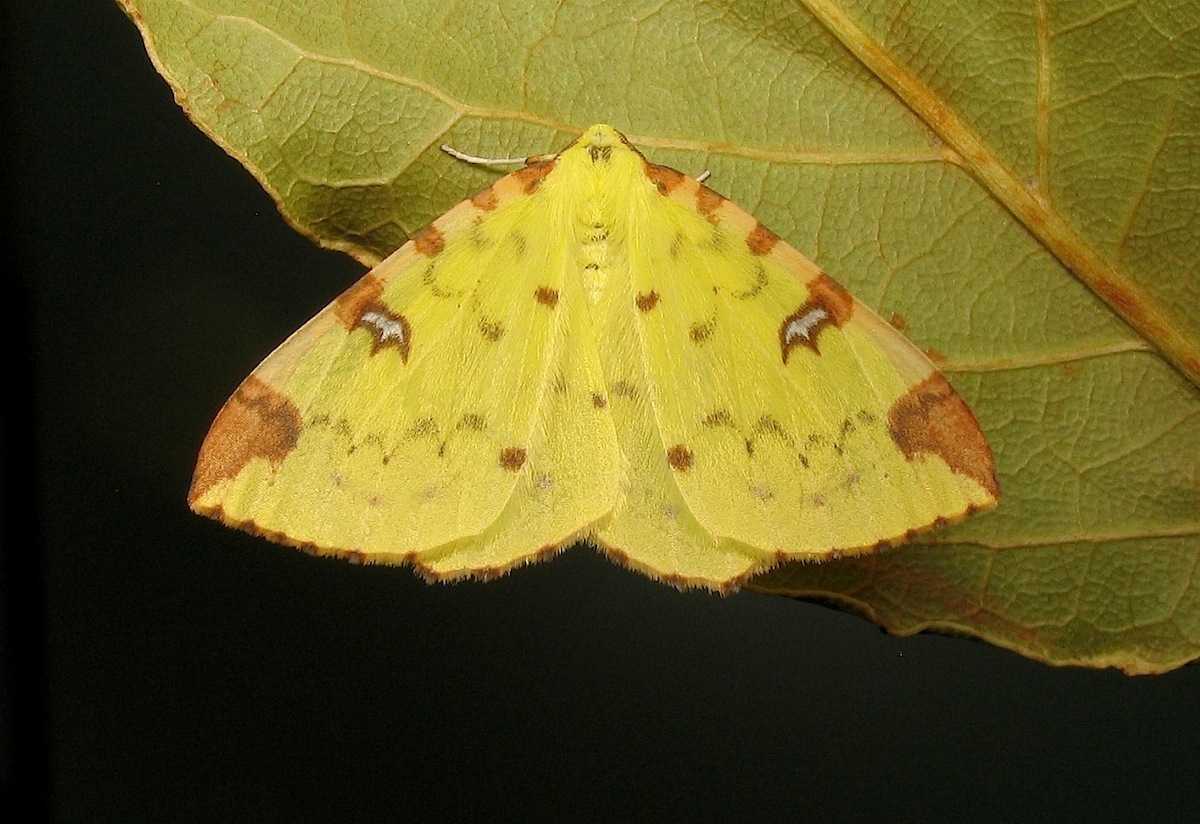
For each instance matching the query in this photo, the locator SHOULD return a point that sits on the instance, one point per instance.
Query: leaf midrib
(1148, 316)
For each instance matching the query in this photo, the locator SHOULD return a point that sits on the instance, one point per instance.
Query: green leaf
(1018, 183)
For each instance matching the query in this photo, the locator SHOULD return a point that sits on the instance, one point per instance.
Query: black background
(160, 667)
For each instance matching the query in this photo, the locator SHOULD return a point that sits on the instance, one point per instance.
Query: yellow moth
(595, 348)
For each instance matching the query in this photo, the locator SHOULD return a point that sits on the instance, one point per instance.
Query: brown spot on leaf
(828, 304)
(680, 458)
(761, 240)
(664, 177)
(546, 296)
(932, 419)
(257, 422)
(647, 301)
(898, 321)
(429, 241)
(512, 458)
(531, 177)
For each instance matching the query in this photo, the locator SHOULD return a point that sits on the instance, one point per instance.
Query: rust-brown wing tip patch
(257, 422)
(931, 418)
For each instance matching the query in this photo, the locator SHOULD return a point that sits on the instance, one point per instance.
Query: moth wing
(433, 413)
(794, 421)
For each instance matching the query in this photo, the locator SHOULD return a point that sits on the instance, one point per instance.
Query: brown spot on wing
(760, 282)
(472, 421)
(768, 425)
(493, 330)
(512, 458)
(422, 427)
(388, 329)
(429, 241)
(720, 417)
(257, 422)
(487, 200)
(932, 419)
(531, 177)
(598, 400)
(546, 296)
(349, 305)
(664, 177)
(624, 389)
(761, 240)
(700, 332)
(828, 304)
(708, 201)
(647, 301)
(680, 458)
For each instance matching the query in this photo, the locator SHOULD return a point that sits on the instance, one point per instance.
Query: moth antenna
(494, 161)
